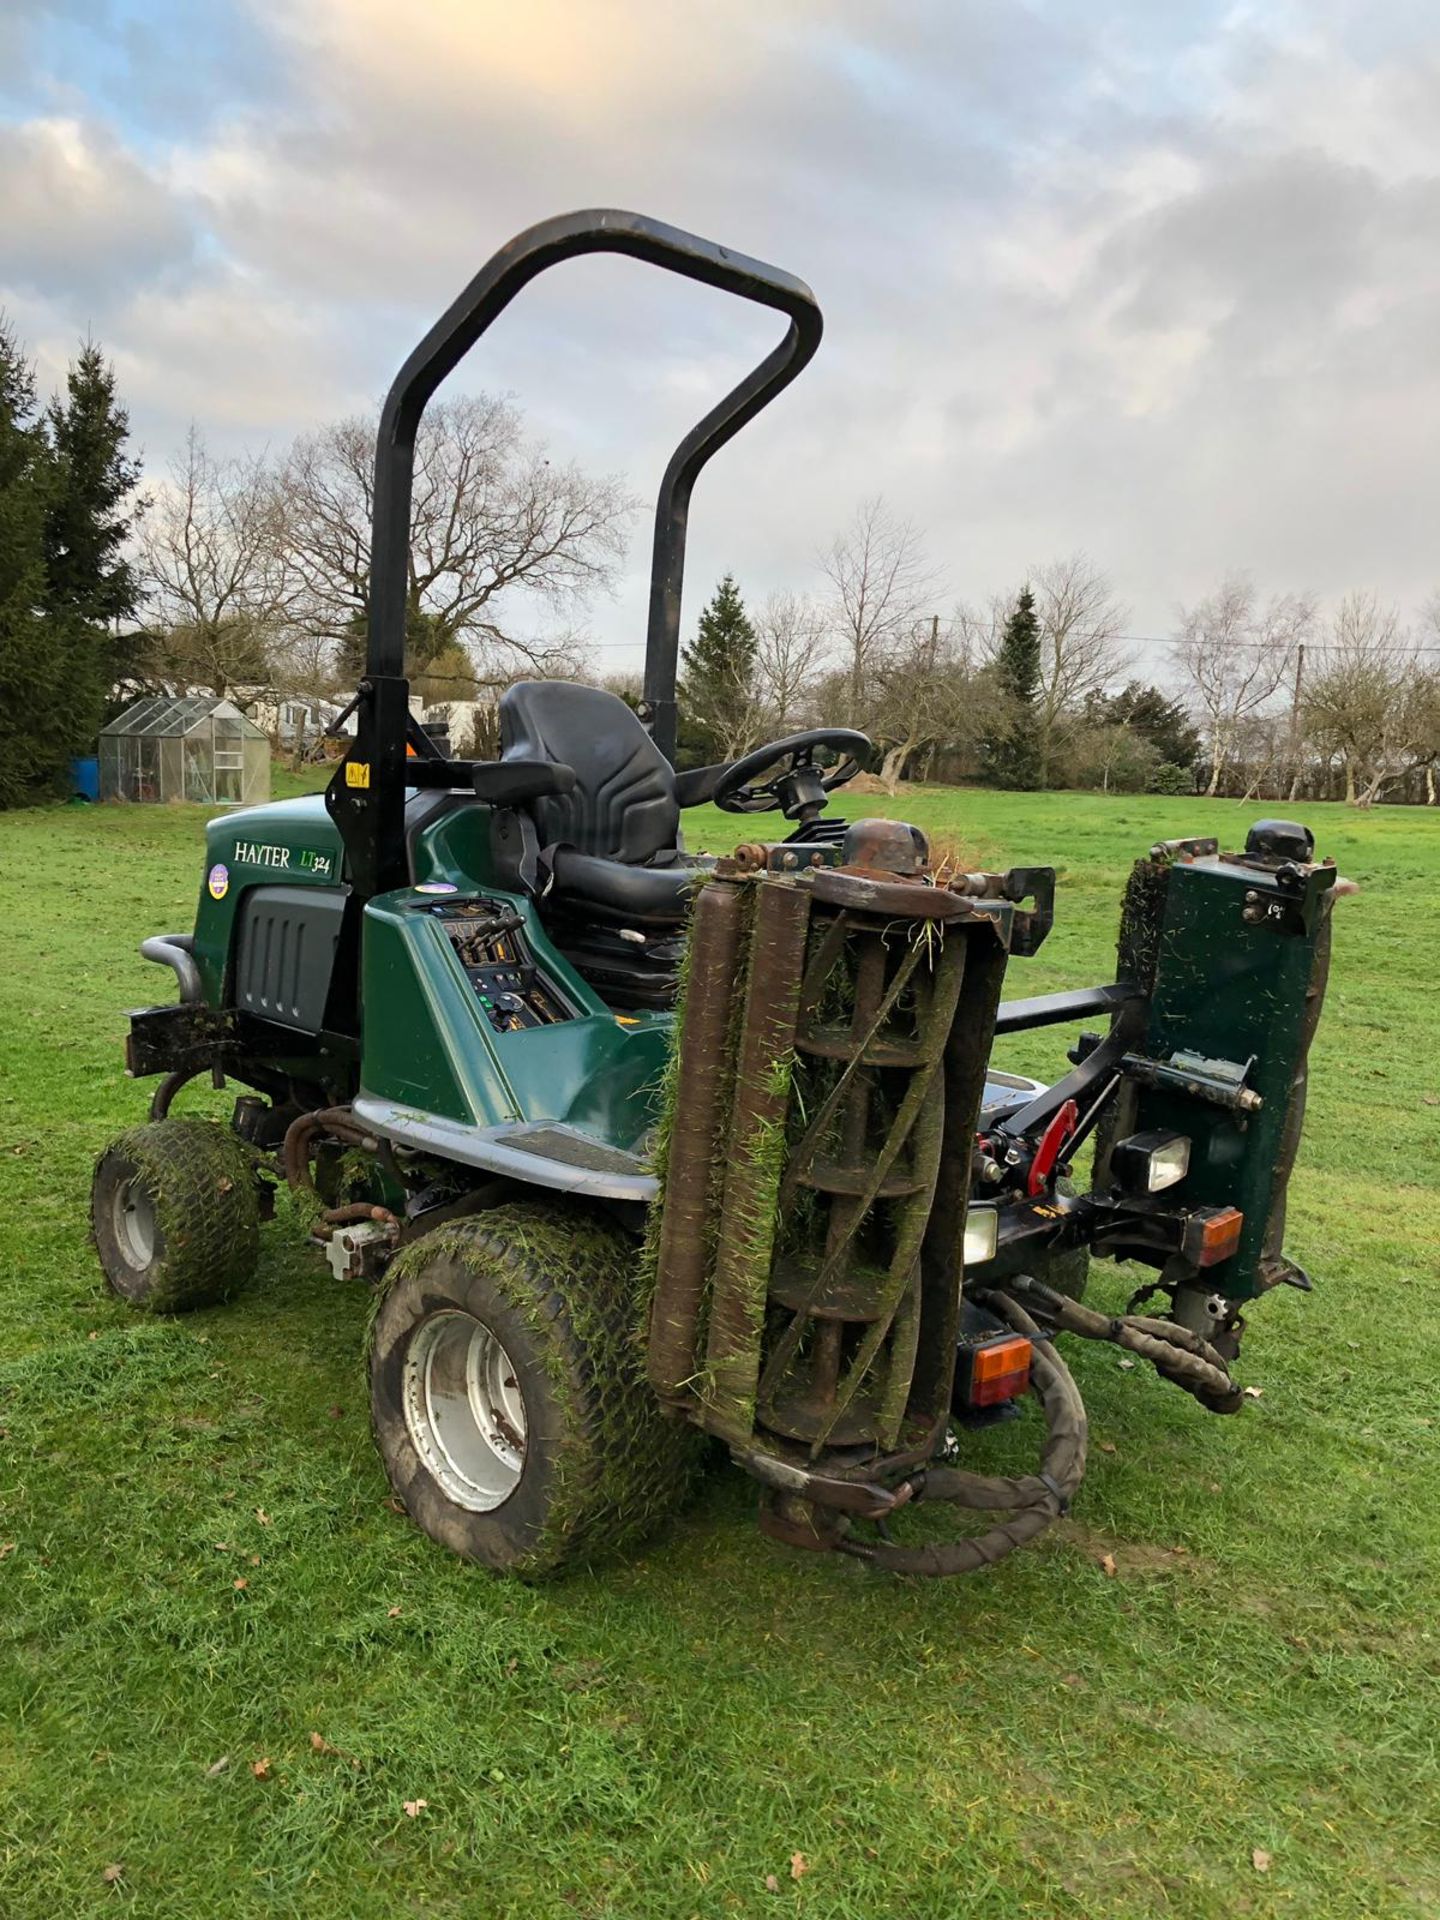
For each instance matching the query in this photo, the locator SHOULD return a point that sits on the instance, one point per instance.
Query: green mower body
(436, 1043)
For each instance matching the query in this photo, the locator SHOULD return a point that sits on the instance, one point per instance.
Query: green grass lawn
(200, 1571)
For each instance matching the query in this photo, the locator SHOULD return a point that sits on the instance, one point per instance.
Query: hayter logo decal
(218, 881)
(255, 853)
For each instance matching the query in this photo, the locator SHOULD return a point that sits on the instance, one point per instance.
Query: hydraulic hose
(164, 1094)
(339, 1122)
(1174, 1351)
(1033, 1500)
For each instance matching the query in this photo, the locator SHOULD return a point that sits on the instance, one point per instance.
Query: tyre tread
(203, 1190)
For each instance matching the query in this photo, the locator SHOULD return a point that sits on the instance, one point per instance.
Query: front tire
(174, 1215)
(508, 1396)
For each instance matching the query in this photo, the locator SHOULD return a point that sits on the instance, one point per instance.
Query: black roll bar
(367, 795)
(601, 230)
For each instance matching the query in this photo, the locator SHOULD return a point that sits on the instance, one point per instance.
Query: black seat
(606, 860)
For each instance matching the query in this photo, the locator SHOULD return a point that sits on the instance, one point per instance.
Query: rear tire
(174, 1215)
(508, 1396)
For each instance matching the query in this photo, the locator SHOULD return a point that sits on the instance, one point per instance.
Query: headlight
(1150, 1162)
(982, 1235)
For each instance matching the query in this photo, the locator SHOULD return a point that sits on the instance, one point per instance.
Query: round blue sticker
(218, 881)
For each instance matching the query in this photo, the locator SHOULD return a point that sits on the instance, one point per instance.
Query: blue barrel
(86, 777)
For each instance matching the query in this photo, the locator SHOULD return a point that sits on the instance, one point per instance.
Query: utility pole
(1295, 720)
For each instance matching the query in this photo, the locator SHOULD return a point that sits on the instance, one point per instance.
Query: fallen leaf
(1260, 1860)
(92, 1336)
(799, 1866)
(321, 1744)
(7, 1547)
(261, 1768)
(222, 1546)
(113, 1872)
(254, 1559)
(1253, 1393)
(412, 1807)
(262, 1516)
(392, 1613)
(241, 1583)
(335, 1412)
(772, 1885)
(1071, 1680)
(394, 1505)
(1125, 1365)
(1107, 1564)
(217, 1766)
(226, 1184)
(1107, 1446)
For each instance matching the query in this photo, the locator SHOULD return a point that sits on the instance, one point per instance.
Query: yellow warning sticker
(357, 773)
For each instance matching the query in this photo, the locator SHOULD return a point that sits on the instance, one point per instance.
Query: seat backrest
(623, 804)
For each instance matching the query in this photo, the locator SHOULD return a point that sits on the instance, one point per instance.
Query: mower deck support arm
(1054, 1009)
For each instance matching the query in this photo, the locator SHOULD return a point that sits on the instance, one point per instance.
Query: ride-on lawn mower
(636, 1146)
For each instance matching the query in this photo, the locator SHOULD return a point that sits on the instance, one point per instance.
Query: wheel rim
(465, 1410)
(133, 1217)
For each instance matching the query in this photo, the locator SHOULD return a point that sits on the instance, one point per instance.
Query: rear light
(1150, 1162)
(993, 1371)
(982, 1235)
(1219, 1235)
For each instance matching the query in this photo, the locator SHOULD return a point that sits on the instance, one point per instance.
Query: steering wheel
(798, 784)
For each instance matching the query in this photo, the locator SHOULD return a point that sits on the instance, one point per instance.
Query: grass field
(199, 1571)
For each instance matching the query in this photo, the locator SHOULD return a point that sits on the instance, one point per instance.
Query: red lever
(1048, 1152)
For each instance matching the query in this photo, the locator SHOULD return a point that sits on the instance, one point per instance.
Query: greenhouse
(194, 748)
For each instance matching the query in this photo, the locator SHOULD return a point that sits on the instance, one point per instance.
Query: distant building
(196, 747)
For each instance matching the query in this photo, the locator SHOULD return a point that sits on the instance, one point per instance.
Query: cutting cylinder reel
(815, 1167)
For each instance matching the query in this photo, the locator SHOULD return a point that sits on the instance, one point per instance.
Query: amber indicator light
(999, 1370)
(1220, 1235)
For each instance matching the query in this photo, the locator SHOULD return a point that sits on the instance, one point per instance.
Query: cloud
(1152, 281)
(81, 216)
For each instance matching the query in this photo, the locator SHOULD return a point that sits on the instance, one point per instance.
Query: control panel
(489, 941)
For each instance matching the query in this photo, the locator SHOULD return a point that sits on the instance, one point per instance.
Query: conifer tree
(718, 673)
(36, 731)
(92, 509)
(1012, 752)
(92, 590)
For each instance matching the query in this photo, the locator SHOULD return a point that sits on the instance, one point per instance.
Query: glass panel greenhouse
(193, 748)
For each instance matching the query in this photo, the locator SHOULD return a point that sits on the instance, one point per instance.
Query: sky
(1156, 282)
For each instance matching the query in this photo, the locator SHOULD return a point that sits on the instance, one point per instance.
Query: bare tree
(927, 693)
(790, 644)
(1373, 703)
(981, 629)
(215, 571)
(1082, 648)
(881, 584)
(492, 520)
(1234, 653)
